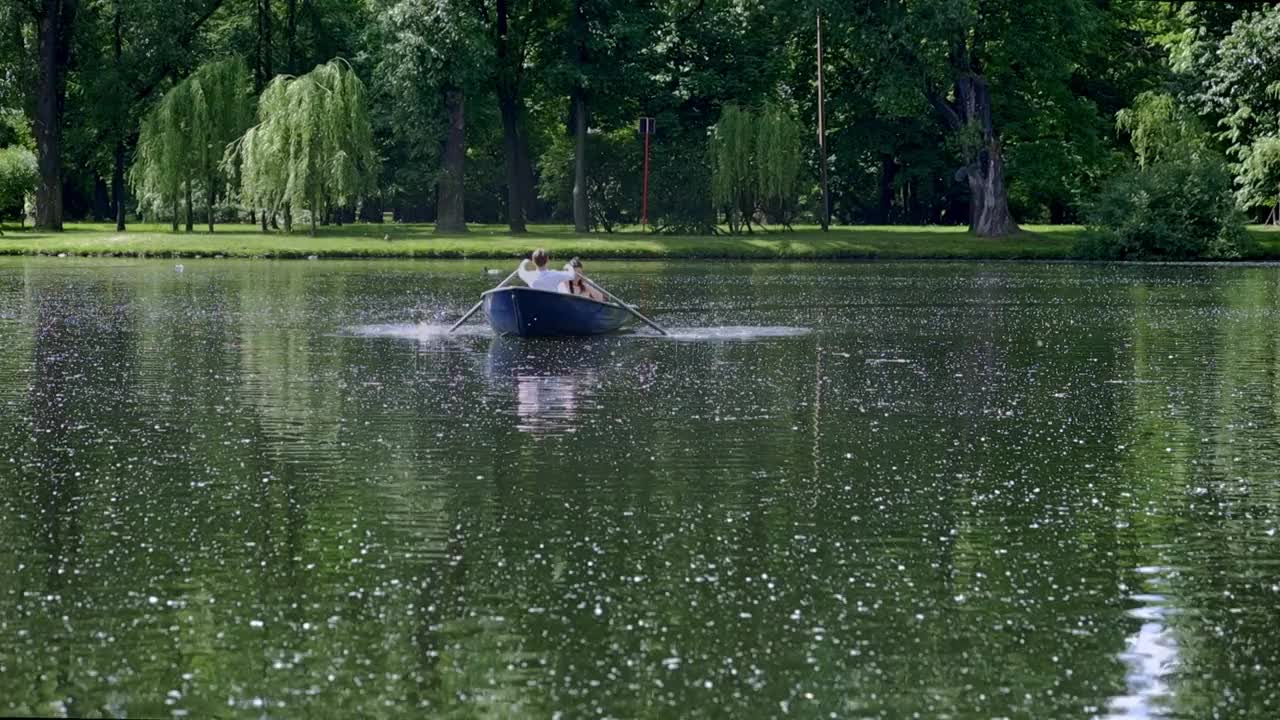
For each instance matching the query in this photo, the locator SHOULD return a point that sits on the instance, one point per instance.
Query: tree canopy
(312, 148)
(986, 113)
(184, 138)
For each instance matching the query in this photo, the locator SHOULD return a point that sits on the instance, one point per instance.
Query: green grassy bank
(492, 241)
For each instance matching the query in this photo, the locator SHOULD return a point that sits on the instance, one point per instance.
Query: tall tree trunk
(988, 197)
(117, 186)
(263, 217)
(55, 23)
(208, 201)
(989, 214)
(511, 153)
(174, 224)
(581, 216)
(258, 80)
(262, 66)
(291, 33)
(528, 184)
(117, 176)
(451, 190)
(509, 108)
(190, 216)
(268, 41)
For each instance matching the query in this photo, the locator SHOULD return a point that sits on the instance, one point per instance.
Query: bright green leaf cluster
(17, 176)
(183, 139)
(756, 161)
(312, 148)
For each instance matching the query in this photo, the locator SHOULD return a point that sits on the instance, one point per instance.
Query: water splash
(417, 331)
(729, 333)
(438, 331)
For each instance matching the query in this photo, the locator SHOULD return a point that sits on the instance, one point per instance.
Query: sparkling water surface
(886, 490)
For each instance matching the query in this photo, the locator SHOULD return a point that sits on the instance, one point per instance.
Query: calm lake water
(842, 490)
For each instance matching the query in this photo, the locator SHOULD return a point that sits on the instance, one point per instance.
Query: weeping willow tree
(159, 166)
(778, 162)
(733, 174)
(1159, 129)
(312, 147)
(183, 139)
(755, 160)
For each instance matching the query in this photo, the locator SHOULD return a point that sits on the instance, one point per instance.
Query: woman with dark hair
(578, 285)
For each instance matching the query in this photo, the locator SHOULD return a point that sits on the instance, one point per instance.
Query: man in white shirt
(539, 277)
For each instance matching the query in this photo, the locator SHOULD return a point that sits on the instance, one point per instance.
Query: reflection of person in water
(546, 402)
(555, 383)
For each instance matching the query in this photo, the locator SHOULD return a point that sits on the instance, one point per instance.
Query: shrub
(1178, 209)
(17, 179)
(615, 161)
(680, 185)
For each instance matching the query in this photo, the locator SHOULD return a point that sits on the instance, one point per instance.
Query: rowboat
(526, 312)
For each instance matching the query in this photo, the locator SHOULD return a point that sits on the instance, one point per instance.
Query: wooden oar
(629, 309)
(476, 307)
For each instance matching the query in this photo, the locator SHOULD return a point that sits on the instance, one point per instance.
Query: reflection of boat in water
(553, 381)
(526, 312)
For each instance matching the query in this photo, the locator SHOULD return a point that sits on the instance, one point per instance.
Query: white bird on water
(178, 268)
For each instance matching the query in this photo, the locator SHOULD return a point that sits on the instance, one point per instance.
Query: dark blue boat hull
(541, 313)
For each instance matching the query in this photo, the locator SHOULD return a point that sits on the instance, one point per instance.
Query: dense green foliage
(312, 148)
(1260, 177)
(183, 139)
(1159, 129)
(733, 166)
(985, 113)
(17, 180)
(755, 165)
(613, 179)
(1180, 208)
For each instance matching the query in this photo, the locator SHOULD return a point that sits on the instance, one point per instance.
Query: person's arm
(526, 274)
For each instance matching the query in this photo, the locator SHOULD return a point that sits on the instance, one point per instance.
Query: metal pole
(822, 135)
(644, 207)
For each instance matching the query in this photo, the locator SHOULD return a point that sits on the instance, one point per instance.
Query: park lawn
(1267, 239)
(494, 241)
